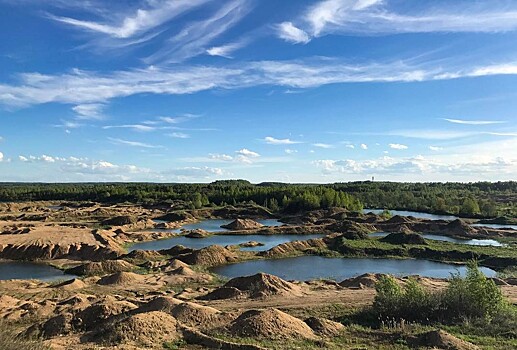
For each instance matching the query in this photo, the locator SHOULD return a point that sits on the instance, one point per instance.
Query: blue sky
(298, 91)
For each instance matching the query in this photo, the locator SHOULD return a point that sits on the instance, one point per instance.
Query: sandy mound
(195, 315)
(270, 324)
(324, 327)
(223, 293)
(165, 304)
(443, 340)
(145, 329)
(143, 255)
(58, 325)
(176, 216)
(93, 315)
(404, 238)
(197, 233)
(251, 244)
(7, 302)
(350, 229)
(242, 224)
(101, 268)
(210, 256)
(367, 280)
(77, 301)
(296, 246)
(183, 271)
(397, 219)
(175, 264)
(263, 284)
(71, 285)
(120, 220)
(121, 278)
(459, 227)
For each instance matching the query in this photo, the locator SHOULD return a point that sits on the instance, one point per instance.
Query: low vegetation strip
(496, 257)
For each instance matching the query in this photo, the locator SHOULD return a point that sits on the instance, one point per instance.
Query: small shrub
(474, 296)
(410, 303)
(473, 300)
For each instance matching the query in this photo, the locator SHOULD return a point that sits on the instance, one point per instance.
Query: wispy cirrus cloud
(290, 33)
(473, 122)
(323, 145)
(195, 38)
(226, 50)
(118, 141)
(374, 17)
(140, 21)
(83, 87)
(179, 135)
(136, 127)
(91, 111)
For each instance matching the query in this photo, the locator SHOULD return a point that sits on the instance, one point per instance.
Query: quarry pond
(29, 270)
(268, 241)
(214, 225)
(306, 268)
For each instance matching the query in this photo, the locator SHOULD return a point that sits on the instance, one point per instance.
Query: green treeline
(482, 199)
(285, 197)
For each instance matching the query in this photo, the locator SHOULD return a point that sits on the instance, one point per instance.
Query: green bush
(409, 303)
(473, 297)
(473, 300)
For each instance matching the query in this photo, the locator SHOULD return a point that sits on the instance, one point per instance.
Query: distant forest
(481, 199)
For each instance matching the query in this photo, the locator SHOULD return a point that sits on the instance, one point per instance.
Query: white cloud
(23, 159)
(473, 122)
(292, 34)
(374, 17)
(47, 159)
(177, 119)
(323, 145)
(136, 127)
(463, 163)
(194, 38)
(140, 22)
(290, 151)
(435, 148)
(273, 141)
(398, 146)
(350, 146)
(83, 87)
(1, 156)
(132, 143)
(222, 157)
(69, 124)
(247, 153)
(431, 134)
(228, 49)
(89, 111)
(364, 146)
(101, 167)
(179, 135)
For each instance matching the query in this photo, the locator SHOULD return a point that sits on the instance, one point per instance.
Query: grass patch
(9, 340)
(434, 250)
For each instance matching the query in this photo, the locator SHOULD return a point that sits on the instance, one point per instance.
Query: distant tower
(373, 178)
